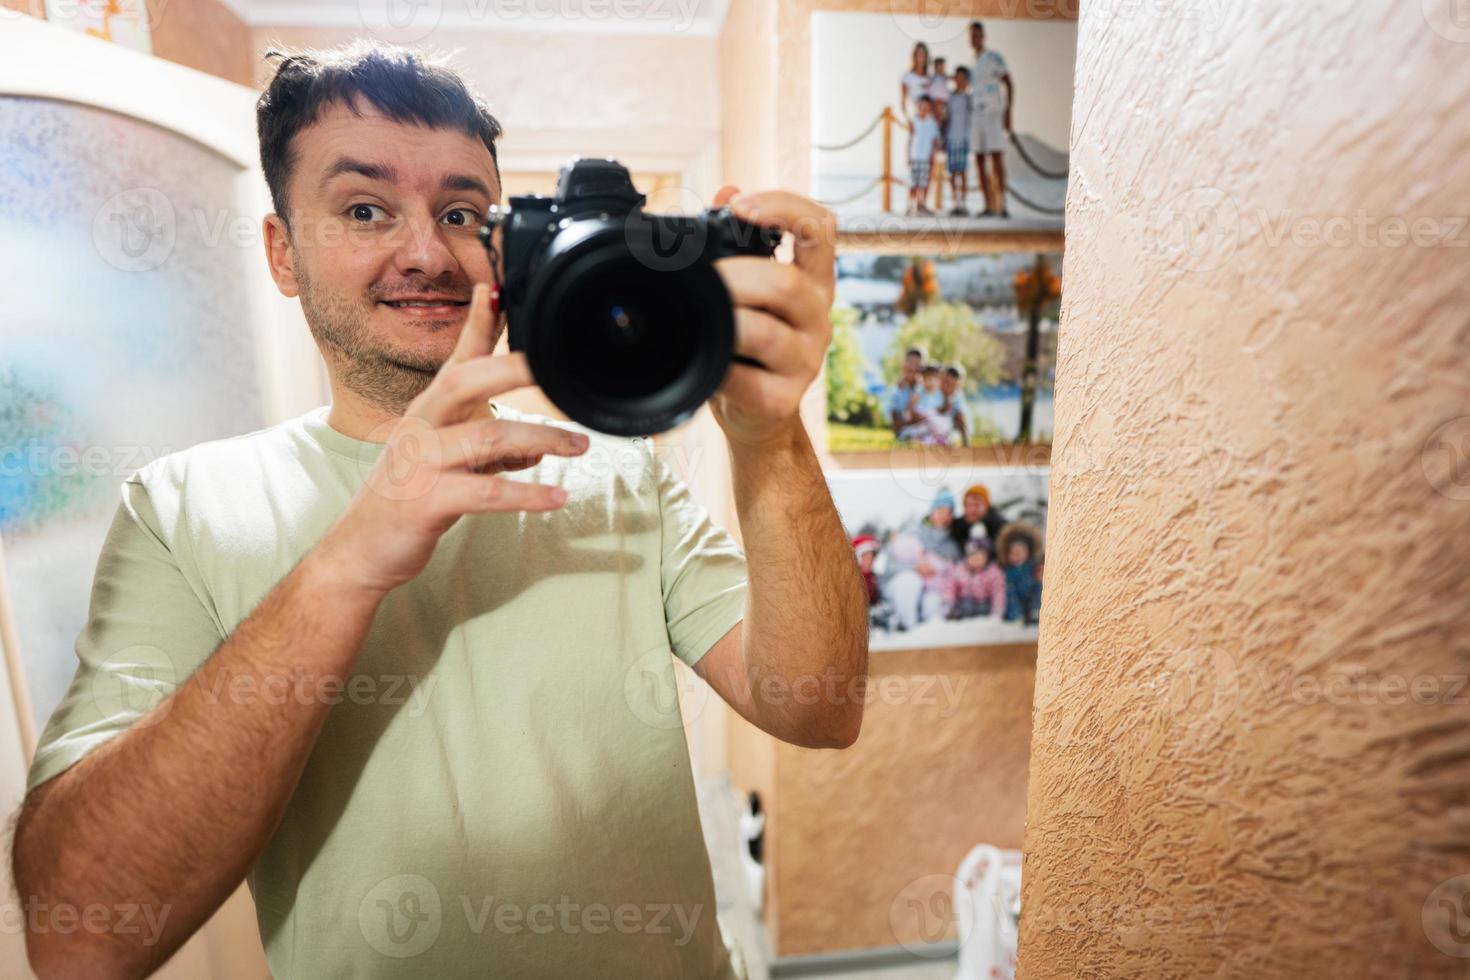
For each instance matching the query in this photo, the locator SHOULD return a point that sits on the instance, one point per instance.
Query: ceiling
(689, 18)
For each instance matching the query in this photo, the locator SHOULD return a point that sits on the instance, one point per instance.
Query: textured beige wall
(864, 833)
(204, 35)
(1252, 745)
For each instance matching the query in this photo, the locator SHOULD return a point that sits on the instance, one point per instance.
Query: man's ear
(279, 254)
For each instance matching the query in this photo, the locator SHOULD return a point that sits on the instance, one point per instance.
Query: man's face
(974, 507)
(911, 365)
(382, 213)
(977, 38)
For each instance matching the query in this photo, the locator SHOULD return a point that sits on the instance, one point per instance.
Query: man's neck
(362, 418)
(355, 416)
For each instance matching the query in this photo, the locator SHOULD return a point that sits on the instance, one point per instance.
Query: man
(903, 400)
(991, 120)
(426, 710)
(977, 510)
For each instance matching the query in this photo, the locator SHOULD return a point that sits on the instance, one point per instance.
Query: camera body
(626, 324)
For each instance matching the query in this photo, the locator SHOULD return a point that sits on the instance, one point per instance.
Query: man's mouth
(426, 306)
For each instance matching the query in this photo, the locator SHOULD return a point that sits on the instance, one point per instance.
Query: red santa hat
(864, 543)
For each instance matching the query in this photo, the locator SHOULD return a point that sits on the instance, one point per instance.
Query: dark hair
(975, 23)
(962, 70)
(941, 60)
(925, 100)
(395, 80)
(955, 370)
(931, 368)
(914, 352)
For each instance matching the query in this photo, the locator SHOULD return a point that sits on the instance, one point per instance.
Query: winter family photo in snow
(949, 559)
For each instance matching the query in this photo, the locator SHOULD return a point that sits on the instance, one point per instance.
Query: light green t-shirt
(508, 791)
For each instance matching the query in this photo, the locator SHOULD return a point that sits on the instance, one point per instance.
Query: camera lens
(629, 331)
(625, 347)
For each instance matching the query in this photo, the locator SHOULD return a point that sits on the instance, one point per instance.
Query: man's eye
(364, 212)
(460, 216)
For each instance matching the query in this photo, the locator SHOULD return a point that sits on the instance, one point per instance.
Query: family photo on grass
(942, 351)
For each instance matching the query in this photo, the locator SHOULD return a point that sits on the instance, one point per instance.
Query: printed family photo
(942, 351)
(953, 561)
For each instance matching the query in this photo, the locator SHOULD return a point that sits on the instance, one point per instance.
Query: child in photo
(932, 428)
(880, 613)
(902, 585)
(957, 140)
(976, 586)
(1019, 545)
(925, 143)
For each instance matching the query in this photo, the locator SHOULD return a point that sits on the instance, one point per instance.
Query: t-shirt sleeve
(147, 630)
(702, 571)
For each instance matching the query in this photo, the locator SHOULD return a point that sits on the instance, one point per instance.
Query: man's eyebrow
(347, 165)
(463, 182)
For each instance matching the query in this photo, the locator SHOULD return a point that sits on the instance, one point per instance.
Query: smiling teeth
(417, 302)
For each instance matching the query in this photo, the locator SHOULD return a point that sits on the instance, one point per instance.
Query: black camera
(626, 324)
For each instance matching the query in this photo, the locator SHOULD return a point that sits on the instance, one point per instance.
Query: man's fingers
(782, 290)
(463, 387)
(474, 337)
(772, 343)
(813, 229)
(504, 445)
(474, 493)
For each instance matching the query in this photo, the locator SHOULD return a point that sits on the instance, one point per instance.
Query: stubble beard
(365, 364)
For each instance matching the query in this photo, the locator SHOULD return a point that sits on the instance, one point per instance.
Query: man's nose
(424, 250)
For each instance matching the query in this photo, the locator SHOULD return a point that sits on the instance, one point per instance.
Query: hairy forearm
(805, 633)
(170, 814)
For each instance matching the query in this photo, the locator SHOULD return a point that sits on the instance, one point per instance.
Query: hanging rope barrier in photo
(832, 147)
(1021, 149)
(888, 180)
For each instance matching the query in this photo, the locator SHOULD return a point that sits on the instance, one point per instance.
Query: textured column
(1251, 754)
